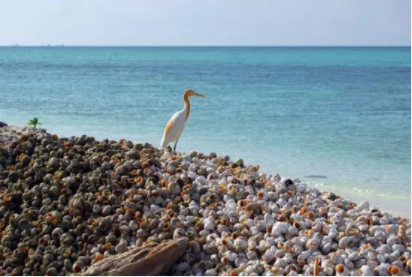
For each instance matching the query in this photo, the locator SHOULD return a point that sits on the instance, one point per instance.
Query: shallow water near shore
(338, 118)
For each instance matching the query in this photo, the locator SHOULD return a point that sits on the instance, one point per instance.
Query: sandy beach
(67, 203)
(396, 207)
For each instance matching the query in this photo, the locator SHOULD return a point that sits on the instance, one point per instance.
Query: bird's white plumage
(174, 128)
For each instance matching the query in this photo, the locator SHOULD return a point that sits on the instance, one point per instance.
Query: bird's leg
(174, 148)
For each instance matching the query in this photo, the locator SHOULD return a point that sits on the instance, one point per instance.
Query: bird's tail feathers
(163, 144)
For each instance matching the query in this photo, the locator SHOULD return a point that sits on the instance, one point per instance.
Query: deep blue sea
(336, 117)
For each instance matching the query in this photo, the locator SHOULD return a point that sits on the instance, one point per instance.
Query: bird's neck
(187, 106)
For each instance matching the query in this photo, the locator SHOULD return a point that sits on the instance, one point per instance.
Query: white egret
(174, 128)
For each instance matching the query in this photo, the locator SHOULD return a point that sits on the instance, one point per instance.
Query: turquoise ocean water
(336, 117)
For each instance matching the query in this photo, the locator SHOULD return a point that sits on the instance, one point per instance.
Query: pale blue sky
(205, 22)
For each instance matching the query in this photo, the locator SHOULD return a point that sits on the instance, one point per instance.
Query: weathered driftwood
(152, 259)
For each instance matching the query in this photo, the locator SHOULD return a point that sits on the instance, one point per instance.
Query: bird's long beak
(198, 94)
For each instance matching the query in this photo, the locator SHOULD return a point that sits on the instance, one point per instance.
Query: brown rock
(152, 259)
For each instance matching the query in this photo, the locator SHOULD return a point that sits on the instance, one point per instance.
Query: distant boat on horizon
(48, 45)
